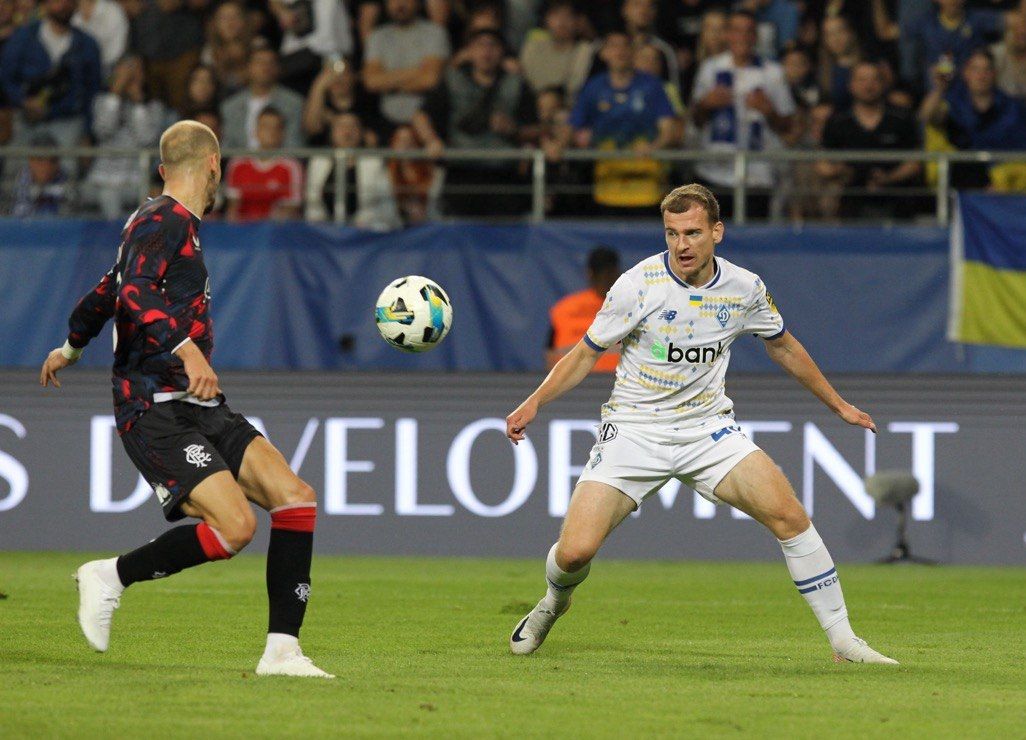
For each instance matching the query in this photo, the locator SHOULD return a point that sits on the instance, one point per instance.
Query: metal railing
(538, 165)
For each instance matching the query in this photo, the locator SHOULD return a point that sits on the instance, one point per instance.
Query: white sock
(108, 572)
(561, 584)
(814, 574)
(279, 643)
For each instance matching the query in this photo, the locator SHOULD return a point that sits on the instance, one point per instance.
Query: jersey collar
(715, 278)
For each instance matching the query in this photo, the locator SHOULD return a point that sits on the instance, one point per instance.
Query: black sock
(175, 550)
(288, 579)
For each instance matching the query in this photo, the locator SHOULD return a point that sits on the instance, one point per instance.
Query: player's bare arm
(203, 383)
(789, 353)
(566, 375)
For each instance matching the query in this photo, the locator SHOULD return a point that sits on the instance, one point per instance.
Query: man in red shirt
(573, 314)
(265, 187)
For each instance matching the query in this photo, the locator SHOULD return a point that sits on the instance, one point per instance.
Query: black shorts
(176, 445)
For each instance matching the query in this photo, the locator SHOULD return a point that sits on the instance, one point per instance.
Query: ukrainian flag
(988, 270)
(696, 300)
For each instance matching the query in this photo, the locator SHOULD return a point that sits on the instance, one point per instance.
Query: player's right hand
(54, 361)
(516, 423)
(203, 383)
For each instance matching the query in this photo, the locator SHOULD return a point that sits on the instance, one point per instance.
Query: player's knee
(238, 529)
(573, 555)
(790, 522)
(299, 492)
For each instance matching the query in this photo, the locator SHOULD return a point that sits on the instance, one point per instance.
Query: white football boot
(290, 662)
(97, 600)
(531, 631)
(858, 651)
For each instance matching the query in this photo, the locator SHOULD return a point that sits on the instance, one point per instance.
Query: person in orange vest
(573, 314)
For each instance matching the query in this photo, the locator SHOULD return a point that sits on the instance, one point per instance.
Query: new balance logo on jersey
(667, 314)
(694, 355)
(195, 455)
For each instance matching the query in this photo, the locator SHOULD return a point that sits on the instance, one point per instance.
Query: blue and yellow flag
(988, 270)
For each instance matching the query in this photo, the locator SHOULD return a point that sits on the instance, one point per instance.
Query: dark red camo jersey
(157, 291)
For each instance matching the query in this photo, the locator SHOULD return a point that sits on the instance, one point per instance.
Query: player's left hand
(856, 417)
(54, 361)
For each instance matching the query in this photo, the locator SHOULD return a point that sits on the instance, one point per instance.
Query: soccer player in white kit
(676, 315)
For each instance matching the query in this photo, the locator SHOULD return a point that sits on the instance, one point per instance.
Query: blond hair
(186, 142)
(682, 199)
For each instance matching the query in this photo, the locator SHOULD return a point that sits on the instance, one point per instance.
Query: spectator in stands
(839, 53)
(869, 124)
(639, 17)
(261, 187)
(368, 194)
(572, 315)
(947, 35)
(168, 34)
(624, 109)
(556, 56)
(239, 112)
(777, 24)
(650, 60)
(50, 72)
(123, 118)
(404, 59)
(106, 22)
(741, 101)
(974, 114)
(800, 78)
(8, 22)
(1010, 55)
(229, 41)
(42, 187)
(486, 16)
(201, 91)
(335, 90)
(314, 32)
(478, 107)
(710, 41)
(413, 181)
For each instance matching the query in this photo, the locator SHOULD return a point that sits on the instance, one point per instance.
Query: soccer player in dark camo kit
(202, 460)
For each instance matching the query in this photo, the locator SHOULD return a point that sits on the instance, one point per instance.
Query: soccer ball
(413, 314)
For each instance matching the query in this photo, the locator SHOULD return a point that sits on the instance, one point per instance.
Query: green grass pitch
(420, 647)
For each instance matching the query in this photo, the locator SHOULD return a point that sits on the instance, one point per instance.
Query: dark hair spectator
(839, 52)
(239, 112)
(974, 114)
(229, 40)
(42, 187)
(624, 109)
(201, 90)
(870, 124)
(777, 24)
(313, 32)
(107, 23)
(480, 106)
(798, 71)
(336, 89)
(413, 181)
(556, 54)
(261, 187)
(404, 59)
(50, 72)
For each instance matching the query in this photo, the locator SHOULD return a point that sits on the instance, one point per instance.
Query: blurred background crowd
(444, 76)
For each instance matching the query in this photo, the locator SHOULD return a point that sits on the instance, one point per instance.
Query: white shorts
(639, 459)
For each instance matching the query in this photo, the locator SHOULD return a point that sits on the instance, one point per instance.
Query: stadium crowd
(445, 75)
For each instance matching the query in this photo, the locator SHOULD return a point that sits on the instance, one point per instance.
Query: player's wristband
(69, 352)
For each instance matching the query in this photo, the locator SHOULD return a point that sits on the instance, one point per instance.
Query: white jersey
(676, 340)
